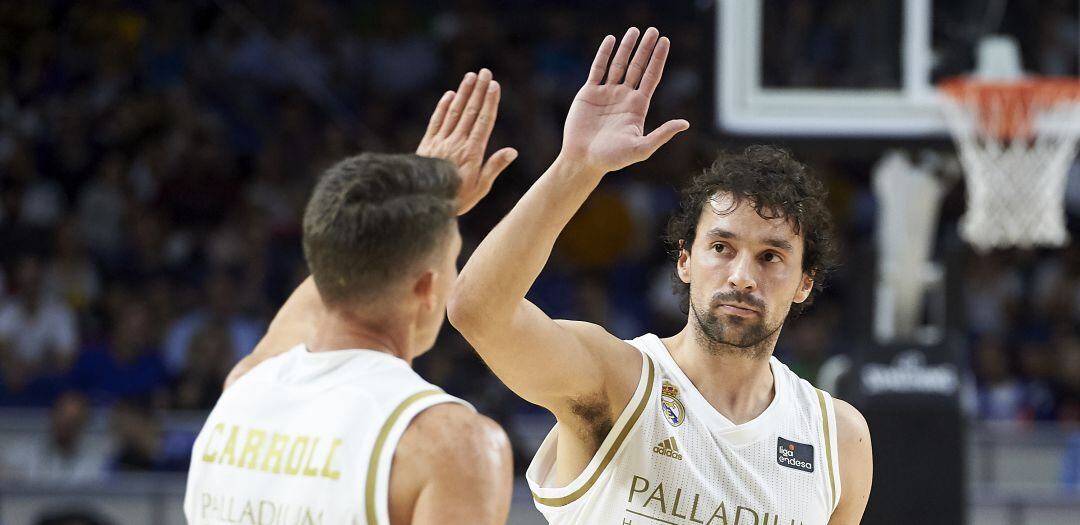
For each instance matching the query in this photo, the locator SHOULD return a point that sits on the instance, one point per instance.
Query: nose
(742, 273)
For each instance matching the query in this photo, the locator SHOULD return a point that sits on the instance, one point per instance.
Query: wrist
(575, 168)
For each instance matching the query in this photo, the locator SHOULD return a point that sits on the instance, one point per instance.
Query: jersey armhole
(561, 496)
(832, 456)
(377, 480)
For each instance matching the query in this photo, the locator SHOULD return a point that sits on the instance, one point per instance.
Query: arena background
(155, 158)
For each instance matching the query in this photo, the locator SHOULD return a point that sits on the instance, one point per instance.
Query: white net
(1015, 184)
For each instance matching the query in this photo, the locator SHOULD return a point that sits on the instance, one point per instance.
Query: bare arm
(458, 131)
(293, 324)
(856, 464)
(452, 466)
(553, 363)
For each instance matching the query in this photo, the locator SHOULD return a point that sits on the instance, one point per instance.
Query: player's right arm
(556, 363)
(458, 131)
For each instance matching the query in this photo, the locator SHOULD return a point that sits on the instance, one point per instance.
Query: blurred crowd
(155, 158)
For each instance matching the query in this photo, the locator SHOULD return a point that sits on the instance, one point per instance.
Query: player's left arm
(451, 467)
(458, 131)
(856, 464)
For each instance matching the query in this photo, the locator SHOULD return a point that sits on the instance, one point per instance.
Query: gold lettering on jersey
(327, 472)
(298, 450)
(658, 490)
(675, 506)
(633, 487)
(305, 455)
(655, 502)
(310, 471)
(230, 447)
(255, 438)
(693, 510)
(739, 515)
(720, 512)
(275, 453)
(208, 456)
(222, 508)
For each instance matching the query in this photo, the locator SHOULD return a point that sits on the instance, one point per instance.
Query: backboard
(868, 67)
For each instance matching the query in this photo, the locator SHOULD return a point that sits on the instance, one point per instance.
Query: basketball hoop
(1017, 139)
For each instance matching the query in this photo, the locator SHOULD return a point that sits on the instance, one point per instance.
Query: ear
(805, 287)
(424, 289)
(682, 266)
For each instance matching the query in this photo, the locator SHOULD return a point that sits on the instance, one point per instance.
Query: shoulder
(455, 456)
(856, 463)
(852, 431)
(449, 436)
(452, 465)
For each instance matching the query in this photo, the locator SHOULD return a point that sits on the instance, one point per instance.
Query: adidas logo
(668, 448)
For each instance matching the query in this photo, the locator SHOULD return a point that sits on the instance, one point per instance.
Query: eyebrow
(775, 243)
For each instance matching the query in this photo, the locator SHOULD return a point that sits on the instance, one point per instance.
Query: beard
(746, 336)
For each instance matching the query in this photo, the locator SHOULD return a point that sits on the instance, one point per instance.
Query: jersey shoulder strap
(377, 478)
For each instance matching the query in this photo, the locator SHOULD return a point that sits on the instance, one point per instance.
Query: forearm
(505, 265)
(294, 323)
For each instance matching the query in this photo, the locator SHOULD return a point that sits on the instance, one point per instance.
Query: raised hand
(459, 131)
(605, 129)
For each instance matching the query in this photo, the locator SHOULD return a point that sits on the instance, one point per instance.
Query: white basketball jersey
(306, 438)
(672, 458)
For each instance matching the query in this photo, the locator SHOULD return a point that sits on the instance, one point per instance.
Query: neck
(738, 386)
(343, 330)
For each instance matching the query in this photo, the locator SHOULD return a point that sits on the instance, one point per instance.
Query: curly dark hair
(777, 186)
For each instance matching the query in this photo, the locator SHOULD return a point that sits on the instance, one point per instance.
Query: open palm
(605, 129)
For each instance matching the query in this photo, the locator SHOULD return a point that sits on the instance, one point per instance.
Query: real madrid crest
(670, 405)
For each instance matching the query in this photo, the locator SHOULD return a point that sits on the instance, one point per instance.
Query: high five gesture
(605, 129)
(459, 130)
(557, 364)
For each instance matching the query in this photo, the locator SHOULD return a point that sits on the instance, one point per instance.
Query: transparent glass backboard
(868, 67)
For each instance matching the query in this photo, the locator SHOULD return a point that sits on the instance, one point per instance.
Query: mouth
(736, 309)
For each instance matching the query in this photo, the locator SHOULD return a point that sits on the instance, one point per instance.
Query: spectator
(221, 294)
(73, 277)
(208, 360)
(144, 445)
(1000, 396)
(65, 457)
(127, 365)
(38, 330)
(102, 208)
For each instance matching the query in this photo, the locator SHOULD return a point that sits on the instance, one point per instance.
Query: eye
(719, 248)
(772, 257)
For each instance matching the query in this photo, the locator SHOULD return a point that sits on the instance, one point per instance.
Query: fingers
(599, 64)
(662, 134)
(641, 57)
(453, 114)
(476, 101)
(655, 69)
(495, 165)
(439, 115)
(618, 65)
(485, 120)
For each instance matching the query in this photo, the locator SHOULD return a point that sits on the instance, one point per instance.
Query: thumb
(496, 164)
(661, 135)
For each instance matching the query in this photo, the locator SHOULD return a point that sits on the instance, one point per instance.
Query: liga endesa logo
(799, 456)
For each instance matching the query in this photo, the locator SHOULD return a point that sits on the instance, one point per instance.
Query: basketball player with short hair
(339, 429)
(701, 427)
